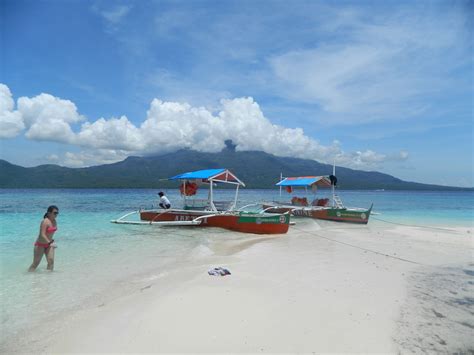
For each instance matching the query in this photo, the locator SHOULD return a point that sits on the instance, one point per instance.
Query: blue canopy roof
(200, 174)
(214, 175)
(305, 181)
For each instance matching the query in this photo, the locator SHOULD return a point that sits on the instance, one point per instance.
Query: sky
(374, 85)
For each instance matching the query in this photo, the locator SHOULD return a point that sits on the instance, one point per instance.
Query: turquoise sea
(97, 260)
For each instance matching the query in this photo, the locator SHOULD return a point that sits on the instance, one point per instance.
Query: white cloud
(247, 126)
(116, 14)
(170, 126)
(6, 100)
(402, 155)
(348, 63)
(368, 159)
(92, 157)
(115, 133)
(185, 89)
(385, 67)
(49, 118)
(53, 158)
(11, 121)
(112, 16)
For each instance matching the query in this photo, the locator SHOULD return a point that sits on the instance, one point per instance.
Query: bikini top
(51, 229)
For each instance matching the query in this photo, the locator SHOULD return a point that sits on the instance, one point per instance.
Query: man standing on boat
(164, 202)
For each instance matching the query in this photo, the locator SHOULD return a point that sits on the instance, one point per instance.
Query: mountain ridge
(256, 168)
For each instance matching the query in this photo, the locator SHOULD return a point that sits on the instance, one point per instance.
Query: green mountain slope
(256, 169)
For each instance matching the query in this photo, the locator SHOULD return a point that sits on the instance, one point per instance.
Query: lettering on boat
(282, 219)
(305, 213)
(181, 218)
(348, 214)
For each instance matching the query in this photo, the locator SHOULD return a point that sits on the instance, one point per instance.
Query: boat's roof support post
(235, 198)
(184, 193)
(211, 196)
(332, 184)
(281, 178)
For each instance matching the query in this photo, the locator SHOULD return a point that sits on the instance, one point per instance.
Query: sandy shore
(321, 288)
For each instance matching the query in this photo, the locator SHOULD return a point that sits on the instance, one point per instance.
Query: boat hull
(278, 208)
(235, 221)
(348, 215)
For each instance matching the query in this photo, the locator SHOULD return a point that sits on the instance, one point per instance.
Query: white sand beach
(324, 287)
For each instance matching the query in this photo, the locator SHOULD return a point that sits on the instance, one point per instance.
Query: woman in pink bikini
(45, 242)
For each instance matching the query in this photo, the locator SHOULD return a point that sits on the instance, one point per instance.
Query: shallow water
(97, 260)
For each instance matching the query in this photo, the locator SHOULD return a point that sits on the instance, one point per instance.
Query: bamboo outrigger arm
(194, 222)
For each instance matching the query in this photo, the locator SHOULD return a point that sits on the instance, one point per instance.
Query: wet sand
(323, 287)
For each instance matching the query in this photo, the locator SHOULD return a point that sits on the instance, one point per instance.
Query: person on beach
(164, 202)
(45, 243)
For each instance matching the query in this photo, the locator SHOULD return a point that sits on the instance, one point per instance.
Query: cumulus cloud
(92, 157)
(49, 118)
(11, 121)
(247, 126)
(170, 126)
(115, 133)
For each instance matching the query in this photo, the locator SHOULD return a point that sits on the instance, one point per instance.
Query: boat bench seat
(223, 205)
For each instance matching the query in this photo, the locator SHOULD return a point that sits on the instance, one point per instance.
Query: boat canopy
(210, 175)
(320, 181)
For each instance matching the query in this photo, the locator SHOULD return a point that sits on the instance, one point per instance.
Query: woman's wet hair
(51, 209)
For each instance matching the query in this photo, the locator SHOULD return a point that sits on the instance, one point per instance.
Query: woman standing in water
(45, 242)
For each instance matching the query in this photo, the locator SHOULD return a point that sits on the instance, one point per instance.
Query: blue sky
(384, 86)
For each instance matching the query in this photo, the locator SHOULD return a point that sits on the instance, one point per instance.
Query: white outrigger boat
(209, 212)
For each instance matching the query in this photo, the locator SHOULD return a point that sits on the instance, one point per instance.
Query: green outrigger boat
(318, 208)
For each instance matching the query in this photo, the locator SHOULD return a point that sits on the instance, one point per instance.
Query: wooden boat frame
(237, 220)
(337, 212)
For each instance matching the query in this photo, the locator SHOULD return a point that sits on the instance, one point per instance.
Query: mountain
(257, 169)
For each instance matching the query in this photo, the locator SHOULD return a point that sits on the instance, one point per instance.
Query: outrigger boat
(318, 208)
(211, 213)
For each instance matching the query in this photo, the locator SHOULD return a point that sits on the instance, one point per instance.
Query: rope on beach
(357, 247)
(414, 225)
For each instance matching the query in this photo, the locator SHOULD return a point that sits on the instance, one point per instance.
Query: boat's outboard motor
(333, 180)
